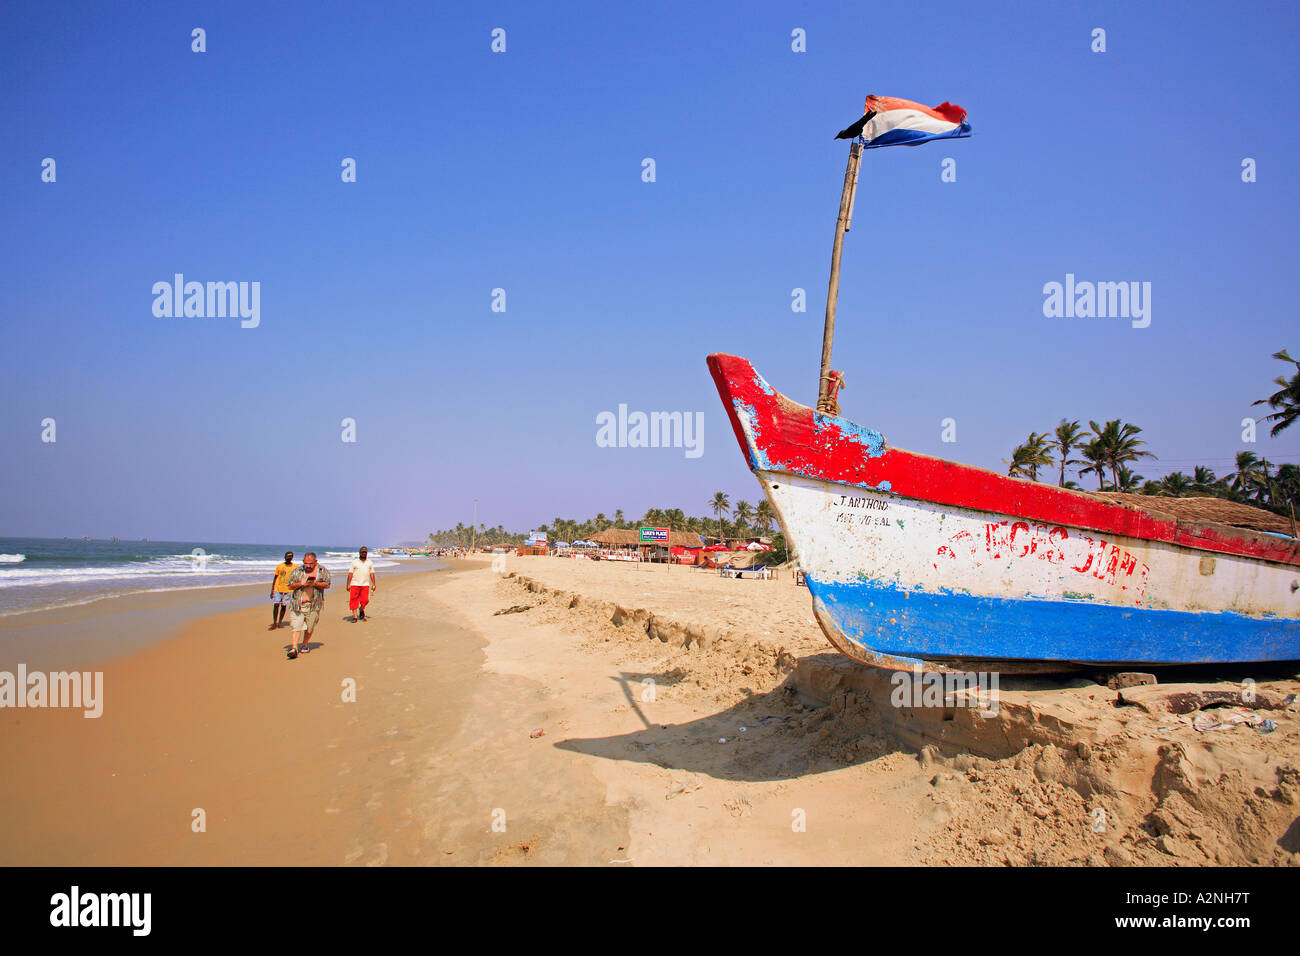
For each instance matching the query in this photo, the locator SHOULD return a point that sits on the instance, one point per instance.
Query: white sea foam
(184, 570)
(30, 589)
(12, 558)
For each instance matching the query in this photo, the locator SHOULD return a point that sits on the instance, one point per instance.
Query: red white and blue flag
(890, 121)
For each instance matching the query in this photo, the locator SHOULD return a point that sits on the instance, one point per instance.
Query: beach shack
(683, 547)
(535, 544)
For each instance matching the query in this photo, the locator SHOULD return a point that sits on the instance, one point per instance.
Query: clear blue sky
(522, 170)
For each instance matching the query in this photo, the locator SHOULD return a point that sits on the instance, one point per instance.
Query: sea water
(39, 573)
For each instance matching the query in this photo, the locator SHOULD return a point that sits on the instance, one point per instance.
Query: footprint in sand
(346, 770)
(380, 856)
(398, 759)
(374, 803)
(354, 852)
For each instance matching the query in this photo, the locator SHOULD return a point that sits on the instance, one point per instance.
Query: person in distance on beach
(281, 596)
(308, 583)
(361, 581)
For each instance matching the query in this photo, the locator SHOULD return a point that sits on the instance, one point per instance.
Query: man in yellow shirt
(281, 594)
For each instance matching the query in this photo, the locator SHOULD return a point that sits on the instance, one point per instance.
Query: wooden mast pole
(833, 292)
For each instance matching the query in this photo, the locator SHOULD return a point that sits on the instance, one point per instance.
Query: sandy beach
(574, 712)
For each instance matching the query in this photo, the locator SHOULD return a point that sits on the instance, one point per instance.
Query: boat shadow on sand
(769, 735)
(790, 732)
(771, 745)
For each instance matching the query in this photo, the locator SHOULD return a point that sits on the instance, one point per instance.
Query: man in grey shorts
(308, 582)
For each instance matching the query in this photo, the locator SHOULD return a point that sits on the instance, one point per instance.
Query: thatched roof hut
(1218, 510)
(624, 538)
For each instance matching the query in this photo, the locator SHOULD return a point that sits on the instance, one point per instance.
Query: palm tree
(1246, 477)
(1017, 464)
(1175, 485)
(743, 512)
(763, 515)
(720, 505)
(1288, 485)
(1285, 401)
(1095, 455)
(618, 518)
(1203, 479)
(1119, 444)
(1068, 435)
(1126, 481)
(1026, 459)
(1266, 489)
(1042, 456)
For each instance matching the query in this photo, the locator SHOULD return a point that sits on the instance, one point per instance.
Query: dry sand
(1062, 774)
(684, 718)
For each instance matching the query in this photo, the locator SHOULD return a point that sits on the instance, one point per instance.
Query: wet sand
(88, 634)
(282, 768)
(83, 635)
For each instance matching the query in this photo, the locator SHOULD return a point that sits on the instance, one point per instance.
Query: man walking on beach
(281, 596)
(308, 584)
(361, 581)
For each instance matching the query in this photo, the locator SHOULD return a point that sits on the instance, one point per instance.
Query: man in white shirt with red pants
(361, 581)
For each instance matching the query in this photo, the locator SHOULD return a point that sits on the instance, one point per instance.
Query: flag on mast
(890, 121)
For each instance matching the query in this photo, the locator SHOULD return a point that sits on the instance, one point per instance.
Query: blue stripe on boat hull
(915, 624)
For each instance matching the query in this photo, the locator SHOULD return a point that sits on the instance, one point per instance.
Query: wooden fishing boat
(911, 558)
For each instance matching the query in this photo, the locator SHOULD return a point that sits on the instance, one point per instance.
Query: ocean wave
(182, 568)
(35, 590)
(12, 558)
